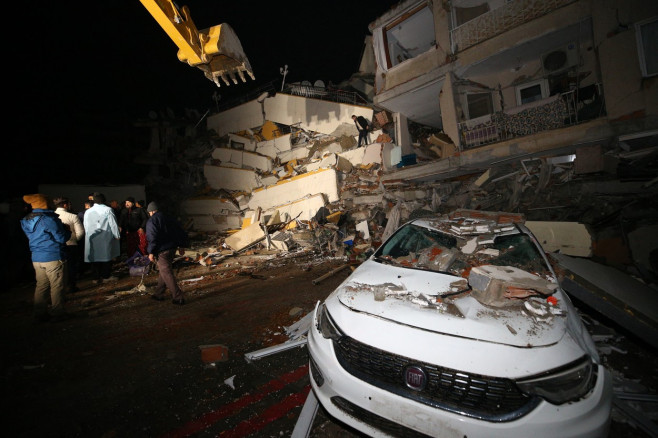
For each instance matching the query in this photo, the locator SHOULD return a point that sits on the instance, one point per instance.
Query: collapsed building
(517, 106)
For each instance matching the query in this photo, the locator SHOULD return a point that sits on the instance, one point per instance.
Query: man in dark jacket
(164, 235)
(132, 224)
(47, 236)
(363, 127)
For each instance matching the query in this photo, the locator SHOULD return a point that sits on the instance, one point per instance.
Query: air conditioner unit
(560, 59)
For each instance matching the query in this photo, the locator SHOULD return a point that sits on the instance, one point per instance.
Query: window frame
(543, 84)
(401, 19)
(642, 52)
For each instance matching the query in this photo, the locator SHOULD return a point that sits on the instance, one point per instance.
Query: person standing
(47, 236)
(87, 205)
(363, 127)
(132, 224)
(101, 239)
(72, 249)
(82, 266)
(164, 235)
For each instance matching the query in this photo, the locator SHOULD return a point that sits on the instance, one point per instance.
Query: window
(647, 46)
(531, 91)
(409, 36)
(479, 104)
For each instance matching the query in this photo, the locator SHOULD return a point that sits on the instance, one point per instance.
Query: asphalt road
(128, 366)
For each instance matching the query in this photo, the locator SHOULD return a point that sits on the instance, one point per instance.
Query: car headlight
(326, 325)
(564, 384)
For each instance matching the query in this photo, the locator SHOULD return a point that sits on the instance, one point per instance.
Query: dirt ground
(127, 366)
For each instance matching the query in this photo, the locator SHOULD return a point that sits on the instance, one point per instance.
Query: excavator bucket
(216, 51)
(226, 59)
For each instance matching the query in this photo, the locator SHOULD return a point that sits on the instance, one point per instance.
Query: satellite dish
(555, 60)
(318, 84)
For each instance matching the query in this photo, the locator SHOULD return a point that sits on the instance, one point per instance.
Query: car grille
(376, 421)
(483, 397)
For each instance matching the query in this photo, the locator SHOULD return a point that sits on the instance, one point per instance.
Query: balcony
(500, 20)
(558, 111)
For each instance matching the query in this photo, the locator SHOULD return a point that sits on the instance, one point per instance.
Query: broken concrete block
(493, 284)
(213, 353)
(323, 181)
(571, 238)
(246, 237)
(301, 209)
(331, 160)
(228, 178)
(470, 246)
(368, 199)
(228, 157)
(272, 148)
(281, 240)
(273, 219)
(240, 142)
(269, 180)
(362, 227)
(298, 153)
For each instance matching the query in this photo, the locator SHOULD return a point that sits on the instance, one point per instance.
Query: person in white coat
(102, 239)
(72, 248)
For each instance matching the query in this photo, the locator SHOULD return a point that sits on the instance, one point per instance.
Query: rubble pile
(279, 187)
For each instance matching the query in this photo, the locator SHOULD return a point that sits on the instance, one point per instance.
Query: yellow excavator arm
(217, 51)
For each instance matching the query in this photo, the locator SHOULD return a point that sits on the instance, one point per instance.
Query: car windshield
(418, 247)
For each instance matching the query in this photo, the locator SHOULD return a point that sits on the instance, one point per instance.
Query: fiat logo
(415, 378)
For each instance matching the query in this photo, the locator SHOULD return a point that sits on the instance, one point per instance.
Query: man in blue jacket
(164, 235)
(47, 236)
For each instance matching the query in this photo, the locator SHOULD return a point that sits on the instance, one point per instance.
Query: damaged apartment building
(548, 108)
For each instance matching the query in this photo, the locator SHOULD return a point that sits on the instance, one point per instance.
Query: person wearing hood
(102, 239)
(47, 236)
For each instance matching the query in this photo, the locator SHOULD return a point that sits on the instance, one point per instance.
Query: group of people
(56, 236)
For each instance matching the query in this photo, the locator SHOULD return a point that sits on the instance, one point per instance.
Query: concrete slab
(272, 148)
(238, 158)
(323, 181)
(246, 237)
(302, 209)
(618, 296)
(570, 238)
(220, 177)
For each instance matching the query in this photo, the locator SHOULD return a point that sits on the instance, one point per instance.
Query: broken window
(409, 36)
(417, 247)
(647, 45)
(479, 104)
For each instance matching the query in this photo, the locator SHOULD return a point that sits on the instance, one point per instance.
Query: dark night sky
(79, 76)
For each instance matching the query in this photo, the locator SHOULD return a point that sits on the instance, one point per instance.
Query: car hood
(431, 301)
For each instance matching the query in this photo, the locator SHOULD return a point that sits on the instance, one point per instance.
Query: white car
(456, 327)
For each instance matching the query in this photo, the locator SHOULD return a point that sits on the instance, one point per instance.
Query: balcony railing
(322, 93)
(555, 112)
(499, 20)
